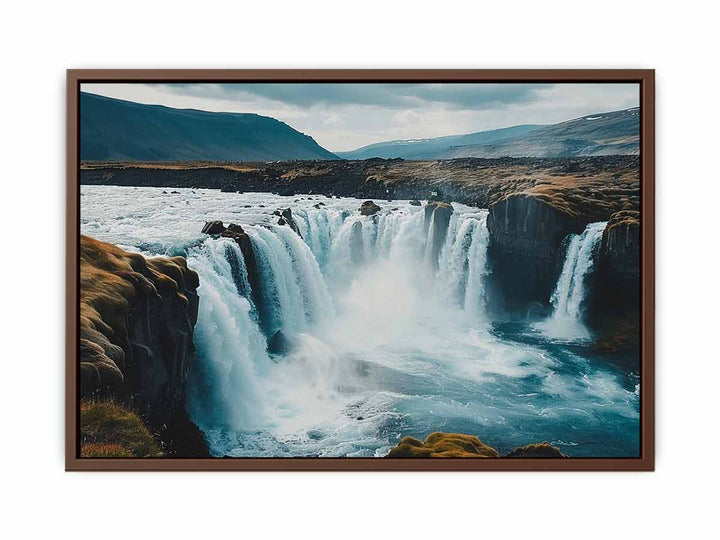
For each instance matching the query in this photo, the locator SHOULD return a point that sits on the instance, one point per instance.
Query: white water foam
(385, 346)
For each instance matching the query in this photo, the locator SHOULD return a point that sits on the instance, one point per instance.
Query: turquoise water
(387, 342)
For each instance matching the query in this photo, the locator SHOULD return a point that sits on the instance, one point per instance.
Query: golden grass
(109, 430)
(110, 280)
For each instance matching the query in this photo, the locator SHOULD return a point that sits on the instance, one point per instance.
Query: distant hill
(433, 148)
(601, 134)
(118, 130)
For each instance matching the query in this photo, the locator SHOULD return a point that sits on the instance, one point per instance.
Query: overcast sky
(346, 116)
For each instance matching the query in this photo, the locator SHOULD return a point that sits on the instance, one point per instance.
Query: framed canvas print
(360, 270)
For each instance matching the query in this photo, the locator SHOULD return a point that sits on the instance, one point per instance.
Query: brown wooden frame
(646, 80)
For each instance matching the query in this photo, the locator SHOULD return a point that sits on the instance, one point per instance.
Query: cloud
(346, 116)
(389, 95)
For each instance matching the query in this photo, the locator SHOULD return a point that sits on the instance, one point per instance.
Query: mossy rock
(443, 445)
(536, 450)
(109, 430)
(369, 208)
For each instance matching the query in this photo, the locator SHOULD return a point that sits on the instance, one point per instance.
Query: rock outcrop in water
(369, 208)
(286, 218)
(136, 336)
(437, 220)
(541, 450)
(441, 445)
(237, 233)
(280, 343)
(460, 445)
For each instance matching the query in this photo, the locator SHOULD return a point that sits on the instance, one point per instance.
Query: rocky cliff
(460, 445)
(136, 337)
(528, 222)
(525, 251)
(614, 306)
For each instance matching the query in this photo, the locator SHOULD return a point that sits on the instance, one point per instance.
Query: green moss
(109, 430)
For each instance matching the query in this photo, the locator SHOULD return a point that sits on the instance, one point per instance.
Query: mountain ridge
(611, 133)
(115, 129)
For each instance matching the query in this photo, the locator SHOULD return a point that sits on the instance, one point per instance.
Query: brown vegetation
(536, 450)
(110, 279)
(460, 445)
(590, 189)
(441, 445)
(107, 430)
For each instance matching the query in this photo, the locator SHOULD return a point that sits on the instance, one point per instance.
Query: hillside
(601, 134)
(113, 129)
(433, 148)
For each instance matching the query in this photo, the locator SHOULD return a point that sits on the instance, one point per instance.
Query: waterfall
(293, 291)
(231, 349)
(375, 266)
(463, 263)
(571, 288)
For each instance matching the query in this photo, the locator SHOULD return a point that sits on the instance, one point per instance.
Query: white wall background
(38, 42)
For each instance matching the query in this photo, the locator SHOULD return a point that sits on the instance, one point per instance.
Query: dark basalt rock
(237, 233)
(437, 217)
(286, 218)
(213, 227)
(415, 203)
(620, 249)
(280, 343)
(541, 450)
(525, 252)
(613, 306)
(137, 318)
(369, 208)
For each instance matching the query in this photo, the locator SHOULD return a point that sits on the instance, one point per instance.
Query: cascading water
(571, 288)
(463, 263)
(231, 348)
(385, 343)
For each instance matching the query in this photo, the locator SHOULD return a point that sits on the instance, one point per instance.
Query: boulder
(415, 202)
(443, 445)
(541, 450)
(213, 227)
(286, 218)
(369, 208)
